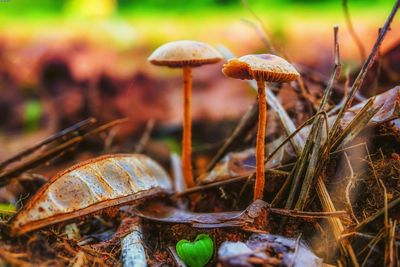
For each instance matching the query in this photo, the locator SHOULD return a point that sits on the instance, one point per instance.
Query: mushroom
(262, 68)
(185, 54)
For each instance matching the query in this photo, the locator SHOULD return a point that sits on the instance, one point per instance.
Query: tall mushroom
(186, 55)
(262, 68)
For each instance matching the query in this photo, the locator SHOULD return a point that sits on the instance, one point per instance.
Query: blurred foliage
(26, 7)
(32, 115)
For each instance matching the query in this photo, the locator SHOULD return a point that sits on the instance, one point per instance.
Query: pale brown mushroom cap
(183, 53)
(267, 67)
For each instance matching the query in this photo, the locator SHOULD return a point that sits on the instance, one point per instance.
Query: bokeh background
(63, 61)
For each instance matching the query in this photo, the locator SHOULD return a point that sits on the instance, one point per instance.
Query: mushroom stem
(187, 127)
(260, 150)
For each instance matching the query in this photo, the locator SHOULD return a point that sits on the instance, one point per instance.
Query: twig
(357, 124)
(132, 250)
(175, 257)
(79, 126)
(321, 79)
(345, 93)
(385, 205)
(372, 245)
(261, 29)
(246, 123)
(262, 32)
(307, 214)
(220, 183)
(348, 187)
(367, 65)
(335, 223)
(287, 139)
(377, 214)
(353, 33)
(145, 136)
(391, 251)
(6, 176)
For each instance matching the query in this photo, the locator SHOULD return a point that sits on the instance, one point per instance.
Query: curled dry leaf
(91, 186)
(157, 211)
(390, 102)
(233, 164)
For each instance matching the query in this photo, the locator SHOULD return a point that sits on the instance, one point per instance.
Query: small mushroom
(262, 68)
(185, 54)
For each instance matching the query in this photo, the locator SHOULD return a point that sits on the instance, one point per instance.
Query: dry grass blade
(356, 125)
(367, 65)
(71, 130)
(246, 123)
(393, 204)
(311, 167)
(307, 163)
(223, 182)
(287, 123)
(288, 138)
(7, 175)
(371, 245)
(307, 214)
(391, 250)
(336, 224)
(348, 188)
(145, 136)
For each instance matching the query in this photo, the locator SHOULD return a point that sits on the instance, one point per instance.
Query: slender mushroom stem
(260, 150)
(187, 127)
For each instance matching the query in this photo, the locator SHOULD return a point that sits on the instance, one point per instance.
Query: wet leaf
(267, 250)
(157, 211)
(91, 186)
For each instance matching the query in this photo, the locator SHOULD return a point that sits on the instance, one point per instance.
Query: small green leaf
(197, 253)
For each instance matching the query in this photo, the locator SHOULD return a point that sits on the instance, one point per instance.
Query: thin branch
(6, 176)
(70, 130)
(261, 29)
(307, 214)
(348, 188)
(353, 33)
(247, 122)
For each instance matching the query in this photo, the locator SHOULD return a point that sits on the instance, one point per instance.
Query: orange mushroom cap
(267, 67)
(183, 53)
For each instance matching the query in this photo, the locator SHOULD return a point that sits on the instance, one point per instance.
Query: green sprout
(197, 253)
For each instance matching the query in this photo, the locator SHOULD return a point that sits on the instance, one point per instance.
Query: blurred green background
(18, 9)
(54, 53)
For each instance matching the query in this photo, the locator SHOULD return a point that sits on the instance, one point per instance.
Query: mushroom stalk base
(187, 128)
(260, 146)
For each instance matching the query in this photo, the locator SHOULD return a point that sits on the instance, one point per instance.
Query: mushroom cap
(183, 53)
(267, 67)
